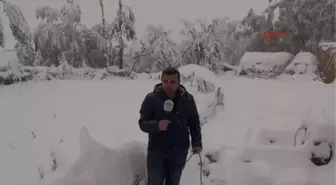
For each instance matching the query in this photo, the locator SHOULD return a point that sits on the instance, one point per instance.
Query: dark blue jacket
(184, 119)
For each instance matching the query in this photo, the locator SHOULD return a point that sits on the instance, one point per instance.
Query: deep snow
(43, 119)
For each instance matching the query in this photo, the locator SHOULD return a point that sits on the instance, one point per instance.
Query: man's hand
(196, 150)
(163, 125)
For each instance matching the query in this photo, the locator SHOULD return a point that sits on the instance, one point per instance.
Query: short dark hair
(171, 71)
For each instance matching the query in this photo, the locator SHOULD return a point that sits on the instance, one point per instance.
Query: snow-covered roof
(266, 60)
(6, 57)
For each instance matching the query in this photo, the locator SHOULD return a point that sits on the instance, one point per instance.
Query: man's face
(170, 83)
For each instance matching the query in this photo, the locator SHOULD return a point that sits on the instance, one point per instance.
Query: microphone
(168, 106)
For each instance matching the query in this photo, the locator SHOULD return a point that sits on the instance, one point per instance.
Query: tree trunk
(107, 48)
(121, 43)
(121, 57)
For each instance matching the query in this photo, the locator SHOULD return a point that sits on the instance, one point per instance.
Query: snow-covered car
(303, 63)
(263, 64)
(309, 149)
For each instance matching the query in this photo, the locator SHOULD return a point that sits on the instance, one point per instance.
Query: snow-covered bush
(63, 71)
(160, 45)
(13, 73)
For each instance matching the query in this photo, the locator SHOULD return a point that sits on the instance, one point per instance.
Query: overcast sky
(164, 12)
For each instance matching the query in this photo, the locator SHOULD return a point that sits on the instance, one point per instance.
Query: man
(168, 132)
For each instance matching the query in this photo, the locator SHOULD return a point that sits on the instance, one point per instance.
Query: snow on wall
(264, 60)
(303, 63)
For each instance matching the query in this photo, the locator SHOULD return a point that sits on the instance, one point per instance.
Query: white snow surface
(89, 127)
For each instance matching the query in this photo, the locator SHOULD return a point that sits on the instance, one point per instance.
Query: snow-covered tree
(123, 28)
(254, 27)
(2, 35)
(136, 50)
(106, 31)
(222, 41)
(61, 32)
(205, 42)
(305, 22)
(20, 30)
(162, 47)
(232, 39)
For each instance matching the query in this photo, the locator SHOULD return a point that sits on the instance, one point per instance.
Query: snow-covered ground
(41, 124)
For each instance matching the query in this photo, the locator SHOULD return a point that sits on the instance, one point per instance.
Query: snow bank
(99, 165)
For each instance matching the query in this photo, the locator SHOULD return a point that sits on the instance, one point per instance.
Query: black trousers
(165, 168)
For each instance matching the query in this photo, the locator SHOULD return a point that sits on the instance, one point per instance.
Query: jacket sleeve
(146, 122)
(194, 125)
